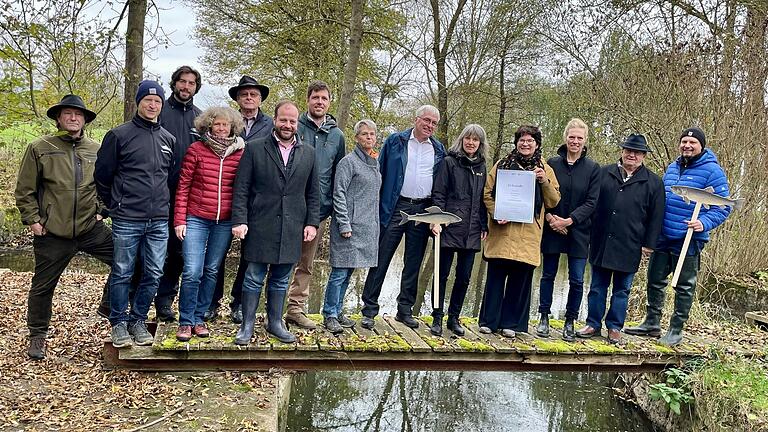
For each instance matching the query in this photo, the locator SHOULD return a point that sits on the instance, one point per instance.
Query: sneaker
(300, 320)
(120, 336)
(508, 333)
(200, 330)
(332, 325)
(184, 333)
(165, 314)
(345, 322)
(140, 333)
(36, 350)
(210, 315)
(367, 323)
(485, 330)
(236, 314)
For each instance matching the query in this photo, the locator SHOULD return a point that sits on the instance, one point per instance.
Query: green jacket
(328, 141)
(55, 186)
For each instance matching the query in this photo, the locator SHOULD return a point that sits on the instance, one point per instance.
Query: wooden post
(436, 279)
(686, 243)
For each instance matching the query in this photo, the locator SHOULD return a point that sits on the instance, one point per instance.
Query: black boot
(275, 325)
(569, 332)
(454, 325)
(684, 294)
(542, 330)
(437, 324)
(658, 273)
(104, 306)
(250, 302)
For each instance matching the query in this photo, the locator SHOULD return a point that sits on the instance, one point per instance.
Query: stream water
(435, 401)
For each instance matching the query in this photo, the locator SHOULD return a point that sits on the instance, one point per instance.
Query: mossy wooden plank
(260, 340)
(327, 341)
(396, 341)
(366, 340)
(473, 333)
(306, 340)
(410, 336)
(437, 344)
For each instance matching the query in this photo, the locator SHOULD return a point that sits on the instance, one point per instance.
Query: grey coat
(356, 209)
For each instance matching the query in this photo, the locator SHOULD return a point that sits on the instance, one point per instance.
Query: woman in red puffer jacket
(203, 210)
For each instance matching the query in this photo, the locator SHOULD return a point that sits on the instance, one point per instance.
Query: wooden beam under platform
(393, 346)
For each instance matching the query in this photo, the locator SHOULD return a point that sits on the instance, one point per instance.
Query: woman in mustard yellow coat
(512, 249)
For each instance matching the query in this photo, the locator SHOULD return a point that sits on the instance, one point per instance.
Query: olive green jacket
(55, 186)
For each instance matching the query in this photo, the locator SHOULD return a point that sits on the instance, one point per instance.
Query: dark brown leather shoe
(587, 332)
(614, 336)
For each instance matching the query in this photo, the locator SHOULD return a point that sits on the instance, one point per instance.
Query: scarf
(218, 145)
(516, 161)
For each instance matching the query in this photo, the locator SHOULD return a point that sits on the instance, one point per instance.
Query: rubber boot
(658, 279)
(275, 325)
(684, 294)
(104, 306)
(542, 330)
(437, 324)
(250, 302)
(569, 331)
(453, 324)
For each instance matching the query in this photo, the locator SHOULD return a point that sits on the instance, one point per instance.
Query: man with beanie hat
(56, 196)
(132, 171)
(695, 167)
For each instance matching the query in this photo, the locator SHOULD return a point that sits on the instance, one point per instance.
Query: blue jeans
(598, 292)
(279, 275)
(576, 268)
(145, 240)
(337, 285)
(204, 246)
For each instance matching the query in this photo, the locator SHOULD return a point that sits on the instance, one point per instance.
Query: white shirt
(417, 182)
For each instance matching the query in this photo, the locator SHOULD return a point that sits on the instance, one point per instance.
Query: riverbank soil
(69, 390)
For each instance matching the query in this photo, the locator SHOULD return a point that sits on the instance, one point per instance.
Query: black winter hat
(637, 142)
(246, 82)
(696, 133)
(70, 101)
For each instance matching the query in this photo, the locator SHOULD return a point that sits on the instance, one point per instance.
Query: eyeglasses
(253, 94)
(526, 141)
(428, 121)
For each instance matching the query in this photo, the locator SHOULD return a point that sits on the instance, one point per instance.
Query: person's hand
(181, 232)
(310, 232)
(239, 231)
(647, 251)
(502, 222)
(563, 231)
(436, 228)
(346, 234)
(38, 229)
(483, 235)
(696, 225)
(541, 175)
(558, 224)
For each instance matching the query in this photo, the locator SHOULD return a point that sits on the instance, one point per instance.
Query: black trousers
(465, 260)
(507, 299)
(416, 238)
(237, 286)
(52, 255)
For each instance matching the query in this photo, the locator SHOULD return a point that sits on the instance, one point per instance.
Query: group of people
(179, 184)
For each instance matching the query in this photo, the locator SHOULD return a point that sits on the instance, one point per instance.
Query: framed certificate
(515, 191)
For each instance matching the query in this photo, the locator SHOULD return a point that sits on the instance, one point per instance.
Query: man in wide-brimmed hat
(56, 196)
(249, 94)
(626, 223)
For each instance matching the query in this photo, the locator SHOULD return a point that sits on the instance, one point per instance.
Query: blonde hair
(204, 121)
(576, 123)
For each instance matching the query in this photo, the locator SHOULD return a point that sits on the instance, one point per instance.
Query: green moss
(397, 343)
(427, 319)
(662, 349)
(468, 320)
(740, 380)
(522, 346)
(553, 346)
(602, 347)
(170, 343)
(476, 346)
(243, 388)
(371, 343)
(434, 341)
(317, 318)
(557, 324)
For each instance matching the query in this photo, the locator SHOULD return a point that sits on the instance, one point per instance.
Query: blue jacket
(702, 173)
(260, 129)
(392, 160)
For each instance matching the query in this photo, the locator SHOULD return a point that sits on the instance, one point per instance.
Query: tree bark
(353, 59)
(134, 55)
(502, 111)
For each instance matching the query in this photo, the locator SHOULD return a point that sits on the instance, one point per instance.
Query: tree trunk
(502, 111)
(756, 74)
(134, 55)
(353, 59)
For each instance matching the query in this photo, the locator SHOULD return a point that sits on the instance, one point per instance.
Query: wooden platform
(759, 318)
(393, 346)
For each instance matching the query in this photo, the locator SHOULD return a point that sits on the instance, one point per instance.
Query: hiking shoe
(236, 314)
(140, 333)
(184, 333)
(407, 320)
(367, 323)
(36, 350)
(165, 314)
(332, 325)
(345, 322)
(211, 314)
(201, 330)
(103, 310)
(120, 336)
(485, 330)
(300, 320)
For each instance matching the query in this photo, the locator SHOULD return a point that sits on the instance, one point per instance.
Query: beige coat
(518, 241)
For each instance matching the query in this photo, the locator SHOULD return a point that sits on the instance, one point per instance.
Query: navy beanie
(696, 133)
(149, 87)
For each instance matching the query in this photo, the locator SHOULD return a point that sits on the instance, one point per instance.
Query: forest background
(654, 67)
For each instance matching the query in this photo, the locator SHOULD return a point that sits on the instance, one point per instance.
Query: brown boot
(36, 350)
(301, 320)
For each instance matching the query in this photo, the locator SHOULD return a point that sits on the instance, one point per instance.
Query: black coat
(458, 189)
(628, 217)
(276, 202)
(260, 129)
(579, 189)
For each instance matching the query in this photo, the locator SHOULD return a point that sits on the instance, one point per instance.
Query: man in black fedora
(249, 94)
(56, 196)
(626, 224)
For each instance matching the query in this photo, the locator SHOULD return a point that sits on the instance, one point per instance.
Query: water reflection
(458, 401)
